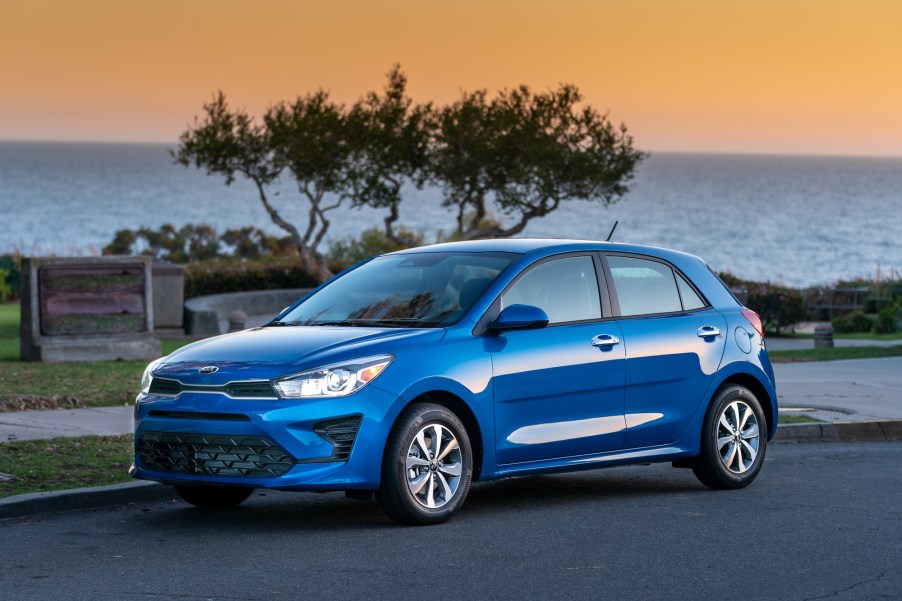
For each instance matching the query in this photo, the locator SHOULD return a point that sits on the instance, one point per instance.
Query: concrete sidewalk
(31, 425)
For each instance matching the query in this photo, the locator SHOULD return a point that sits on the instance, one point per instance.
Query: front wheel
(427, 467)
(212, 497)
(734, 440)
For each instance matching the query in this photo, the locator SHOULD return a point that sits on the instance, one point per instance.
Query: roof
(545, 246)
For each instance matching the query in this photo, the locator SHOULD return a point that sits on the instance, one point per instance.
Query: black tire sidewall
(415, 418)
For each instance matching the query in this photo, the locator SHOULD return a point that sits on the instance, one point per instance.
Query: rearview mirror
(520, 317)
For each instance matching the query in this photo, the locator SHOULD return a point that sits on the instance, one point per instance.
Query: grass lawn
(61, 463)
(835, 353)
(797, 419)
(854, 336)
(9, 332)
(26, 385)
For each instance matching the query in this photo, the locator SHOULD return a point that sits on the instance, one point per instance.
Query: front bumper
(204, 438)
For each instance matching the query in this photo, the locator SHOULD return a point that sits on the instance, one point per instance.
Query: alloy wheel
(433, 466)
(738, 437)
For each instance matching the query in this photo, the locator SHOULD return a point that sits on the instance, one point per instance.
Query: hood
(270, 352)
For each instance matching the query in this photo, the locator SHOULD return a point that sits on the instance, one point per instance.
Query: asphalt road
(823, 521)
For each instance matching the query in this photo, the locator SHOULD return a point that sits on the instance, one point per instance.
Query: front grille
(255, 389)
(341, 432)
(214, 455)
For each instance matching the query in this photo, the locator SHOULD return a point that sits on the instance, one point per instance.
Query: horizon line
(652, 151)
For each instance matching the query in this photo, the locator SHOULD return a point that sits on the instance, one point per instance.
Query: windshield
(410, 290)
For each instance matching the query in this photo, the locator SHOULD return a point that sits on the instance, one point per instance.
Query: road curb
(841, 431)
(152, 492)
(84, 498)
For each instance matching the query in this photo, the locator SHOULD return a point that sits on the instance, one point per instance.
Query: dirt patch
(30, 402)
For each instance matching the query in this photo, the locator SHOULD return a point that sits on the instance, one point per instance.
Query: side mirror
(519, 317)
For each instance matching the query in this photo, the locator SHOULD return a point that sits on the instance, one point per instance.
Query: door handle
(605, 340)
(708, 332)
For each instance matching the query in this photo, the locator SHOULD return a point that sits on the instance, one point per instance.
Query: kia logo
(208, 369)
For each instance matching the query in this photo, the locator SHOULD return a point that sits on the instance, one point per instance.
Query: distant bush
(192, 243)
(371, 242)
(888, 320)
(10, 277)
(779, 306)
(854, 322)
(236, 275)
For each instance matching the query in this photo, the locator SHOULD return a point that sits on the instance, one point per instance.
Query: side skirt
(589, 462)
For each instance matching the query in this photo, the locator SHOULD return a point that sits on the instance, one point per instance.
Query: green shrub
(237, 275)
(779, 306)
(10, 277)
(888, 319)
(6, 292)
(854, 322)
(371, 242)
(191, 243)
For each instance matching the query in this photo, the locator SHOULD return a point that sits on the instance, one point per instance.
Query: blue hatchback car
(414, 373)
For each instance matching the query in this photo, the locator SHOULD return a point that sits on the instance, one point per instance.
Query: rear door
(674, 342)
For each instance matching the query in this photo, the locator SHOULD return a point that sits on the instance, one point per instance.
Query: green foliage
(10, 277)
(371, 242)
(888, 320)
(390, 145)
(856, 321)
(525, 153)
(235, 275)
(779, 306)
(6, 291)
(192, 243)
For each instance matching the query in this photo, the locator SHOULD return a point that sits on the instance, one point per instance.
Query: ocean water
(798, 220)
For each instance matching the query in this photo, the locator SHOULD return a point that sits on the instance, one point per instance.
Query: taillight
(755, 320)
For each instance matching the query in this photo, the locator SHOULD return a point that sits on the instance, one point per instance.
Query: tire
(214, 497)
(731, 457)
(418, 489)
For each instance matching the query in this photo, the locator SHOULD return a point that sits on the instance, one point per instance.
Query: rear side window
(645, 287)
(566, 289)
(691, 299)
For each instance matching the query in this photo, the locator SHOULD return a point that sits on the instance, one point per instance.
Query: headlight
(147, 378)
(339, 379)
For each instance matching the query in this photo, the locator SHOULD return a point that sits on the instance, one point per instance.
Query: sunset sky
(763, 76)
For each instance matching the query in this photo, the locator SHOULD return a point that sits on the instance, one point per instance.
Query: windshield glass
(411, 290)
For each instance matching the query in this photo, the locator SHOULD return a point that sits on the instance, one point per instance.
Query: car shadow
(298, 512)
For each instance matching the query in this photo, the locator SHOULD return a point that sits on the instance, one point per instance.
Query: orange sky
(785, 76)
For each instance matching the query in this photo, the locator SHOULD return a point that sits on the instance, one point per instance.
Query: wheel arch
(757, 387)
(462, 410)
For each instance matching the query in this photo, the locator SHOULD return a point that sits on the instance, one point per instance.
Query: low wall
(203, 314)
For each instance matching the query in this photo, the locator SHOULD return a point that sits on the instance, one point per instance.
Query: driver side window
(566, 289)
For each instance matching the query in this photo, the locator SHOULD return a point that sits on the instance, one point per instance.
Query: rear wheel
(427, 467)
(214, 496)
(734, 440)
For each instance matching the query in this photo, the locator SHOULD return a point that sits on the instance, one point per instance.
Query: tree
(306, 138)
(525, 154)
(390, 138)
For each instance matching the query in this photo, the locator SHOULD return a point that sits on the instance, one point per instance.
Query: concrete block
(168, 295)
(87, 309)
(850, 431)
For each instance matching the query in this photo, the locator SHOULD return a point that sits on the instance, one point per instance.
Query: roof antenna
(611, 235)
